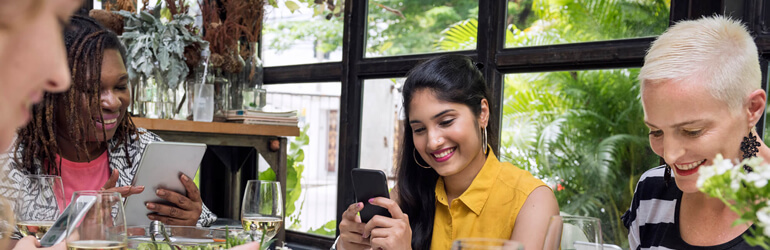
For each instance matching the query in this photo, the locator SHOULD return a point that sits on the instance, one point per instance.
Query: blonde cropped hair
(717, 51)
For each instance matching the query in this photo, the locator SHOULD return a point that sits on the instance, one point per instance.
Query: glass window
(310, 34)
(399, 27)
(312, 156)
(572, 128)
(540, 22)
(381, 126)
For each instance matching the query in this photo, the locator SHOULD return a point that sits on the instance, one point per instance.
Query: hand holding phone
(367, 184)
(60, 228)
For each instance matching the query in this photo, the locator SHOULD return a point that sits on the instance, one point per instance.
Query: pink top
(77, 176)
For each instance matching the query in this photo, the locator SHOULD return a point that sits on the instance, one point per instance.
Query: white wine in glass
(104, 225)
(34, 228)
(41, 203)
(262, 209)
(96, 245)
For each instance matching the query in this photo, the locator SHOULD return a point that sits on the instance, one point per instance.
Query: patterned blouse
(11, 176)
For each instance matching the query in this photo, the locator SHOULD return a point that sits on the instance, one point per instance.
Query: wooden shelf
(215, 127)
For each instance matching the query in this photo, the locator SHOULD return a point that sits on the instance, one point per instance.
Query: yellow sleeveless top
(487, 209)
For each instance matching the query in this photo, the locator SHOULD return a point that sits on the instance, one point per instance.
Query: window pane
(306, 35)
(381, 126)
(573, 128)
(400, 27)
(540, 22)
(312, 156)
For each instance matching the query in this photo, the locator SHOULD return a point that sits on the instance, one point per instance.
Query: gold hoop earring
(484, 140)
(414, 155)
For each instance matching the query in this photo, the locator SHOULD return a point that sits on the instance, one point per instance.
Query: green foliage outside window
(397, 27)
(294, 169)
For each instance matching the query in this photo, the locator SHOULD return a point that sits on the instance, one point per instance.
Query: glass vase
(251, 77)
(164, 98)
(221, 93)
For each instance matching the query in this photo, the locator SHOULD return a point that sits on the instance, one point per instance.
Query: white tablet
(161, 166)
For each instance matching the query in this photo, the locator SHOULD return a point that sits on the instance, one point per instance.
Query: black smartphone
(367, 184)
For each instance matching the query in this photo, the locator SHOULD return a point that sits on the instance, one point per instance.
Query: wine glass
(486, 244)
(573, 232)
(262, 209)
(41, 202)
(104, 224)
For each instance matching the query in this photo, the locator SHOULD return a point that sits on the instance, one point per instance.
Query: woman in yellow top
(450, 185)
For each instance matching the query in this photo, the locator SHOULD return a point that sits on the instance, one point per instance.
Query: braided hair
(85, 41)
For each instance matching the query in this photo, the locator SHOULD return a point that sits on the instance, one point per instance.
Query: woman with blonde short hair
(700, 89)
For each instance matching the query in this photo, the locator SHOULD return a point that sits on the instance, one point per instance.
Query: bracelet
(334, 247)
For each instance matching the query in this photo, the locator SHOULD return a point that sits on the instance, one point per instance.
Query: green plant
(328, 229)
(294, 169)
(150, 42)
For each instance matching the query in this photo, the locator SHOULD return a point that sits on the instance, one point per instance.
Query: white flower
(757, 179)
(763, 215)
(706, 172)
(752, 162)
(735, 185)
(760, 183)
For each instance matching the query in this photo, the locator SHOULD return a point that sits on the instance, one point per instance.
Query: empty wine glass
(104, 224)
(573, 232)
(262, 209)
(486, 244)
(40, 203)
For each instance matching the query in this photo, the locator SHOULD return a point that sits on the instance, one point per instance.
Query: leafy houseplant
(156, 50)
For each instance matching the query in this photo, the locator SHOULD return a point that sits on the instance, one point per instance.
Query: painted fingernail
(161, 192)
(360, 205)
(371, 200)
(150, 205)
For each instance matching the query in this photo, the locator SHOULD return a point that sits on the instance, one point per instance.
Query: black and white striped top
(653, 218)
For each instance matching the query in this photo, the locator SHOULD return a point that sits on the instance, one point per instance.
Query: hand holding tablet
(170, 195)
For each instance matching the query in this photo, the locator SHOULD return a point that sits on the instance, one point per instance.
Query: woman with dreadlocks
(86, 136)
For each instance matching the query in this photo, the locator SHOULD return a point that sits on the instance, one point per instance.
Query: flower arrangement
(745, 193)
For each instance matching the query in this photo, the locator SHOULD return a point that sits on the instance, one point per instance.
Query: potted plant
(156, 57)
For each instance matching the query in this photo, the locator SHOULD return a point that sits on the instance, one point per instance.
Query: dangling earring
(749, 147)
(484, 140)
(414, 155)
(667, 174)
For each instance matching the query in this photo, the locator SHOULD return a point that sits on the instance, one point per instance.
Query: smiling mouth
(444, 153)
(689, 166)
(109, 121)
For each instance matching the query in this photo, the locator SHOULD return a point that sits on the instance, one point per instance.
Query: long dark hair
(85, 40)
(452, 78)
